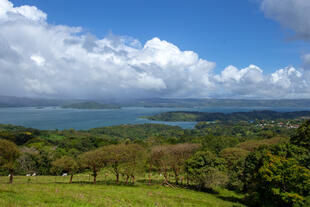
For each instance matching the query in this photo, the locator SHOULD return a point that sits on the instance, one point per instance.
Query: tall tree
(27, 161)
(172, 157)
(178, 154)
(93, 160)
(115, 156)
(8, 156)
(66, 164)
(136, 156)
(160, 159)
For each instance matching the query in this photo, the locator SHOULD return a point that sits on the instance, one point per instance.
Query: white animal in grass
(28, 175)
(34, 174)
(65, 174)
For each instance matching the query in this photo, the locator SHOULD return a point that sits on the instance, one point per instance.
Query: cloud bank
(40, 59)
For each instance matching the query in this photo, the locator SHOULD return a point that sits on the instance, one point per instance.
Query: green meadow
(51, 191)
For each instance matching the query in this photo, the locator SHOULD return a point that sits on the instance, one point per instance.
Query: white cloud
(9, 12)
(252, 83)
(252, 74)
(39, 59)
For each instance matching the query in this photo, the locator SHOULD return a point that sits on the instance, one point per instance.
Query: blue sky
(228, 32)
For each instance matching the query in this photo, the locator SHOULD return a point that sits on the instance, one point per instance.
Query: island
(90, 105)
(236, 116)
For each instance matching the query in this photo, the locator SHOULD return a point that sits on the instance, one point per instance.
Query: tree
(161, 160)
(178, 154)
(207, 170)
(277, 175)
(279, 181)
(302, 136)
(93, 160)
(136, 156)
(235, 158)
(27, 161)
(114, 156)
(66, 164)
(8, 156)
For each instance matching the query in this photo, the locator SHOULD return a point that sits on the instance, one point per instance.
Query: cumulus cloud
(251, 82)
(39, 59)
(9, 12)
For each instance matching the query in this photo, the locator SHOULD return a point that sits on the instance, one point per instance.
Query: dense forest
(267, 161)
(235, 116)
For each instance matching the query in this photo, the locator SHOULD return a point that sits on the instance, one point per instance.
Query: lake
(59, 118)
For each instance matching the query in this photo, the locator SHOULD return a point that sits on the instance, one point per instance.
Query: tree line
(270, 172)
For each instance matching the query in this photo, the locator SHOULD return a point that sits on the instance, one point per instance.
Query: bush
(207, 170)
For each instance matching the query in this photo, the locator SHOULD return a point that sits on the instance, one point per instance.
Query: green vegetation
(90, 105)
(42, 191)
(266, 162)
(236, 116)
(8, 156)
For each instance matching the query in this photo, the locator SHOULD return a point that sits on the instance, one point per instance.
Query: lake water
(58, 118)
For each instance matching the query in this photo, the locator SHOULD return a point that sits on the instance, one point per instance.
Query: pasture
(55, 191)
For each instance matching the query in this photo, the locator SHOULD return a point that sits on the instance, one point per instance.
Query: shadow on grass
(153, 182)
(232, 199)
(108, 182)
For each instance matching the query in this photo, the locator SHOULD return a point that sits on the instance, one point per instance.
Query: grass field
(42, 191)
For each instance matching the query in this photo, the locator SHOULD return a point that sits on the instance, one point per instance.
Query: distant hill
(192, 103)
(90, 105)
(12, 101)
(236, 116)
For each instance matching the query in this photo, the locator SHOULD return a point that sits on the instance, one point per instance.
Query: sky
(143, 49)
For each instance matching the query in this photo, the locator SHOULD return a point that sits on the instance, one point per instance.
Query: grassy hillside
(42, 191)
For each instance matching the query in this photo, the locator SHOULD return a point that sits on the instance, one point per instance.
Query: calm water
(58, 118)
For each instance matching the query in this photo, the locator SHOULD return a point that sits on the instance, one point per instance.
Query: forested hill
(236, 116)
(90, 105)
(11, 101)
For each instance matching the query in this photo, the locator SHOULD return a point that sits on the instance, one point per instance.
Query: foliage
(172, 158)
(92, 160)
(8, 156)
(207, 170)
(115, 156)
(135, 161)
(66, 164)
(235, 158)
(302, 136)
(273, 177)
(257, 157)
(255, 144)
(235, 116)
